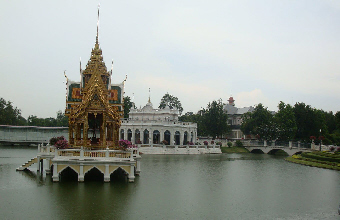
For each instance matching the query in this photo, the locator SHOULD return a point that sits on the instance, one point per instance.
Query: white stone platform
(189, 149)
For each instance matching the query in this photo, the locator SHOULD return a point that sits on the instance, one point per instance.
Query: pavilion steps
(27, 164)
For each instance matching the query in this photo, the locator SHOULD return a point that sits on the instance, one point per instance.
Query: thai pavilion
(94, 105)
(95, 108)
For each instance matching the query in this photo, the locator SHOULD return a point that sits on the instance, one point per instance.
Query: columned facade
(158, 126)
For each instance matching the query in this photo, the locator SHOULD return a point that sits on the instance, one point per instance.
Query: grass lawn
(230, 150)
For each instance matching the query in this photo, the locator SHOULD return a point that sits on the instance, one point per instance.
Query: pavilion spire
(97, 25)
(149, 96)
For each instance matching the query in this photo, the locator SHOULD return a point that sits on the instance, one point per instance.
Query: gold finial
(97, 25)
(65, 76)
(111, 66)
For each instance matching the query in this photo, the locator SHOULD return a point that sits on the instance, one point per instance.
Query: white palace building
(148, 126)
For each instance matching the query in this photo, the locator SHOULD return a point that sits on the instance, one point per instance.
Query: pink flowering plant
(205, 142)
(126, 145)
(59, 142)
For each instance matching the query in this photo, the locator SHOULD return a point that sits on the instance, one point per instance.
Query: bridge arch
(119, 174)
(68, 174)
(113, 169)
(275, 151)
(257, 151)
(61, 168)
(94, 174)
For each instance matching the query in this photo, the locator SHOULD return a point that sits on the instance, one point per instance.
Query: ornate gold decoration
(94, 98)
(113, 95)
(76, 93)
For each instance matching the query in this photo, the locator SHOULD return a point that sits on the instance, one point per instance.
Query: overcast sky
(199, 51)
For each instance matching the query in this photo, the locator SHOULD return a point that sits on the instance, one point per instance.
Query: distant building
(153, 126)
(235, 118)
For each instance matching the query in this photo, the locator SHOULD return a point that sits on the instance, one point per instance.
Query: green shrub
(322, 157)
(239, 143)
(230, 144)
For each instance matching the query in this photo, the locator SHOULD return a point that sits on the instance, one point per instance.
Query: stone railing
(85, 153)
(276, 144)
(178, 146)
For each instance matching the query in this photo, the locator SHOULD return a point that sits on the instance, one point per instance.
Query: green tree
(260, 122)
(33, 120)
(215, 119)
(127, 106)
(285, 121)
(10, 115)
(195, 118)
(61, 120)
(309, 121)
(171, 101)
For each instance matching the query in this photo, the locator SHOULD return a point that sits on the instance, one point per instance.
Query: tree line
(300, 122)
(10, 115)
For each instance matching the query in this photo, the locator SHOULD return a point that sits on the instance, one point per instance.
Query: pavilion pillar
(125, 134)
(85, 131)
(161, 135)
(81, 173)
(107, 174)
(172, 134)
(181, 139)
(55, 176)
(142, 136)
(132, 174)
(70, 133)
(103, 136)
(133, 136)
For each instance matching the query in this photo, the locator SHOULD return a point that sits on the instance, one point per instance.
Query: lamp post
(320, 140)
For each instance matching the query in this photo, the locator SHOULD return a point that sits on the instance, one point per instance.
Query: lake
(224, 186)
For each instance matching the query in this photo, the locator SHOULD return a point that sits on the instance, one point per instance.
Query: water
(235, 186)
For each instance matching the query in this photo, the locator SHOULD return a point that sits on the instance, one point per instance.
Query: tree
(171, 101)
(195, 118)
(33, 120)
(127, 106)
(10, 115)
(215, 119)
(309, 121)
(259, 122)
(285, 121)
(62, 119)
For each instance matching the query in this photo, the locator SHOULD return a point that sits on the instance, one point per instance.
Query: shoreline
(312, 163)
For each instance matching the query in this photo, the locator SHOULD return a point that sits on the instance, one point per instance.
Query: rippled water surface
(234, 186)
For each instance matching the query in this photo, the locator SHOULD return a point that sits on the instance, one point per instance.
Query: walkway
(290, 148)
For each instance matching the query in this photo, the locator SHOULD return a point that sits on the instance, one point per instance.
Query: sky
(199, 51)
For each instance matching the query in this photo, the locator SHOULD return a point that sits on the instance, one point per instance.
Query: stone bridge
(290, 147)
(273, 149)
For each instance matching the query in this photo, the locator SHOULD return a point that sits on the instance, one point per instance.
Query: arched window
(185, 137)
(129, 132)
(156, 137)
(167, 137)
(177, 138)
(146, 136)
(122, 134)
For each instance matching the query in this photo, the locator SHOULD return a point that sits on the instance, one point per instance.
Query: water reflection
(235, 186)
